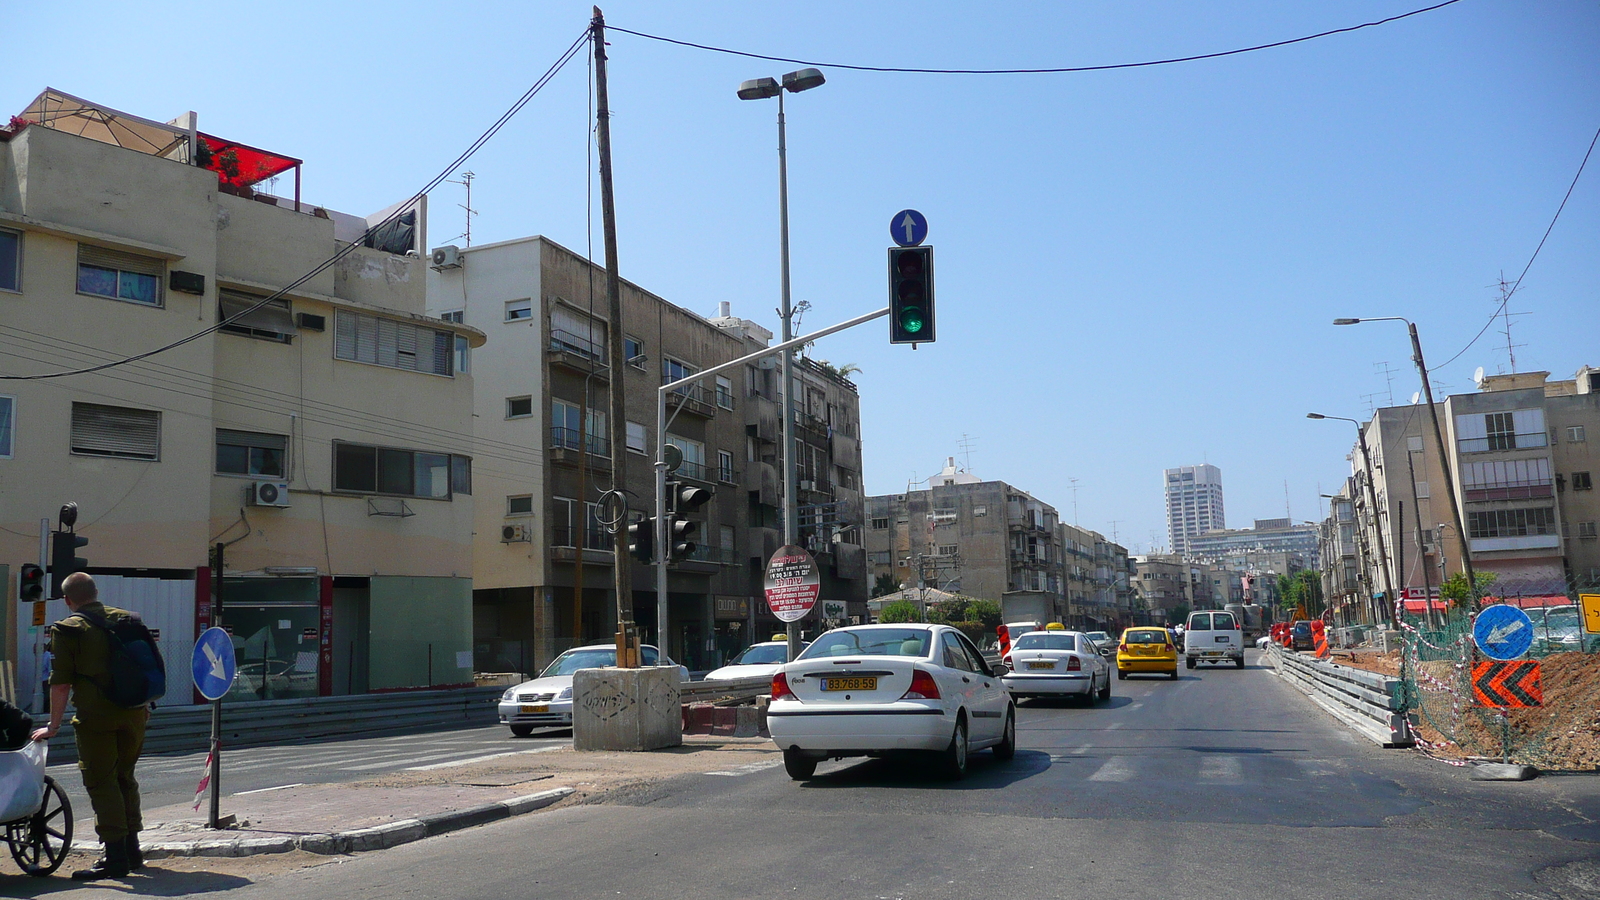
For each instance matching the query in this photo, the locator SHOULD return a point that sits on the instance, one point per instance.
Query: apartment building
(323, 437)
(1194, 504)
(543, 558)
(1266, 537)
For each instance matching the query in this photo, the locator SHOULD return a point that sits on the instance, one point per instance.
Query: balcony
(597, 545)
(1529, 490)
(690, 398)
(577, 353)
(566, 449)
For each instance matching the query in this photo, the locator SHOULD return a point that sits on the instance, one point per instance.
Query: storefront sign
(792, 583)
(736, 608)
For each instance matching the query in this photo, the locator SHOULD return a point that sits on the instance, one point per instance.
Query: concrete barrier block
(626, 709)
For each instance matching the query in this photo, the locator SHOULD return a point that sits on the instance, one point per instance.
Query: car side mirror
(998, 669)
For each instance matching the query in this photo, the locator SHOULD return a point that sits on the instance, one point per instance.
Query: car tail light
(1007, 660)
(1167, 647)
(1123, 646)
(1074, 664)
(923, 687)
(780, 687)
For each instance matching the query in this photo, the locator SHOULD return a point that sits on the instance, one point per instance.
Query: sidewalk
(407, 806)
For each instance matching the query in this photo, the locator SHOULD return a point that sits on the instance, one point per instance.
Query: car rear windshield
(1302, 628)
(871, 642)
(762, 654)
(1146, 637)
(1221, 621)
(1200, 622)
(591, 658)
(1047, 642)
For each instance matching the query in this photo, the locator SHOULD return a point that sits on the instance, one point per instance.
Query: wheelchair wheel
(40, 842)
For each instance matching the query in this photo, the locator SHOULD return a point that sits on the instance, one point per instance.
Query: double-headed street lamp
(1372, 503)
(1438, 437)
(763, 89)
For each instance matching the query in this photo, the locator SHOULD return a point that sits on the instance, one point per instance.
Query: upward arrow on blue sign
(908, 228)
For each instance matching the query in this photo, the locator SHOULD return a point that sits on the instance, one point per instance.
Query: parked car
(1300, 637)
(1057, 664)
(1559, 629)
(1147, 649)
(1105, 643)
(1213, 637)
(546, 701)
(763, 659)
(872, 690)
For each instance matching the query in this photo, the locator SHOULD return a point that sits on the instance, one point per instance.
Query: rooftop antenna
(966, 448)
(1388, 377)
(1074, 501)
(466, 182)
(1505, 318)
(1286, 509)
(1114, 531)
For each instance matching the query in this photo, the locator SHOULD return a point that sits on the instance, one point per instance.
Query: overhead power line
(323, 266)
(1040, 71)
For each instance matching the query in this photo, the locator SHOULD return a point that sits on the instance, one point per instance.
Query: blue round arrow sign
(214, 663)
(908, 228)
(1502, 632)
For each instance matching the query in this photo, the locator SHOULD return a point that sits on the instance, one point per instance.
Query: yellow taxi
(1147, 648)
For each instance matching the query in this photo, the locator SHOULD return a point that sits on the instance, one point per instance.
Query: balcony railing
(597, 538)
(1497, 443)
(562, 438)
(567, 342)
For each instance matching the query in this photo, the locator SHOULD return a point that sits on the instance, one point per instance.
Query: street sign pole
(214, 819)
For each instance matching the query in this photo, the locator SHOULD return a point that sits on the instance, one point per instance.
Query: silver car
(546, 701)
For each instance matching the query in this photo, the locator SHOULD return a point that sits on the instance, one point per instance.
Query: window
(463, 354)
(1586, 530)
(880, 524)
(980, 511)
(567, 427)
(251, 453)
(1502, 431)
(255, 316)
(1422, 490)
(1511, 522)
(946, 550)
(694, 456)
(519, 407)
(672, 370)
(8, 424)
(724, 393)
(519, 505)
(725, 466)
(1413, 444)
(576, 333)
(1581, 481)
(1521, 429)
(457, 316)
(388, 342)
(10, 260)
(638, 437)
(519, 310)
(1574, 432)
(115, 431)
(564, 530)
(633, 352)
(363, 469)
(120, 276)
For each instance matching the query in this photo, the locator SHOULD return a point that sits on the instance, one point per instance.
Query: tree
(985, 611)
(1454, 588)
(884, 584)
(1179, 613)
(900, 611)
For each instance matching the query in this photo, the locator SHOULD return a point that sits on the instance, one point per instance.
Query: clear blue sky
(1136, 268)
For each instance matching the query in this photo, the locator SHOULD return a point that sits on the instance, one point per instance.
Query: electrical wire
(1041, 71)
(1507, 298)
(400, 210)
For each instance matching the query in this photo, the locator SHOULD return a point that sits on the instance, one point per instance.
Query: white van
(1213, 636)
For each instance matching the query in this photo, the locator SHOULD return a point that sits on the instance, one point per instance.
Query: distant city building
(1269, 537)
(1194, 504)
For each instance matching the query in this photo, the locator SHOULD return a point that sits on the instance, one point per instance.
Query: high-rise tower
(1194, 503)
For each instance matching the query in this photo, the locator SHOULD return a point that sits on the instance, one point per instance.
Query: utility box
(626, 709)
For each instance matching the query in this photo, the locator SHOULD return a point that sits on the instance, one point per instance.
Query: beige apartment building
(543, 558)
(324, 436)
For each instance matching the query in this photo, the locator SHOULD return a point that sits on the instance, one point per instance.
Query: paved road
(1224, 784)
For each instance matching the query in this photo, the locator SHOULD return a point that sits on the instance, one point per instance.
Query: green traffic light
(911, 320)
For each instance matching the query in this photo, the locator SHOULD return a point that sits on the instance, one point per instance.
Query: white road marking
(479, 759)
(1117, 768)
(1134, 706)
(1222, 768)
(1113, 726)
(748, 768)
(281, 787)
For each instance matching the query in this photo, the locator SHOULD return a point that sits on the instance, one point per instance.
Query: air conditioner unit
(808, 485)
(447, 257)
(269, 493)
(515, 534)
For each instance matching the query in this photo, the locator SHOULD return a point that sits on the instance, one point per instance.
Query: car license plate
(1044, 664)
(850, 684)
(1222, 639)
(541, 708)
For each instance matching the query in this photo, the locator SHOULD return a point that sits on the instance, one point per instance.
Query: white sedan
(763, 659)
(546, 701)
(872, 690)
(1057, 664)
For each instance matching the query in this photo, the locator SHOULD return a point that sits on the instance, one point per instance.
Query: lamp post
(1438, 437)
(1372, 502)
(763, 89)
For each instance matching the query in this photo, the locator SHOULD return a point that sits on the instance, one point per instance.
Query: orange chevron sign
(1513, 685)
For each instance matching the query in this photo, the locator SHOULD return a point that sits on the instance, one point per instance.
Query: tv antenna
(965, 445)
(1388, 377)
(1505, 318)
(1074, 501)
(466, 182)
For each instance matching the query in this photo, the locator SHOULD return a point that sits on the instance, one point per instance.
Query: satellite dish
(1477, 377)
(1415, 396)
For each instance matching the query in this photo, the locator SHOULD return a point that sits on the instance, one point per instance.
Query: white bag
(22, 781)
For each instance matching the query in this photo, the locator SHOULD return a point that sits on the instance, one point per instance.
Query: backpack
(16, 727)
(136, 674)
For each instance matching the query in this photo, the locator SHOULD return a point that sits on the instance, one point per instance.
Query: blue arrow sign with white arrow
(908, 227)
(1502, 632)
(214, 663)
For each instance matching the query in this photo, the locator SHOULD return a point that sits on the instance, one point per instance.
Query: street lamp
(1438, 437)
(1372, 501)
(764, 89)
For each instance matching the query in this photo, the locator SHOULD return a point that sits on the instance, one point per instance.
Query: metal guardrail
(1372, 704)
(725, 689)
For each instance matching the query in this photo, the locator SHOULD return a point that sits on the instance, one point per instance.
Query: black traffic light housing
(30, 583)
(683, 498)
(911, 295)
(64, 558)
(642, 539)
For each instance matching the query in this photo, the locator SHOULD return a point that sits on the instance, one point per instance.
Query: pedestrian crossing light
(642, 539)
(30, 583)
(64, 558)
(911, 295)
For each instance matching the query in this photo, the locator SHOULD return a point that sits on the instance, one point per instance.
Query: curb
(380, 837)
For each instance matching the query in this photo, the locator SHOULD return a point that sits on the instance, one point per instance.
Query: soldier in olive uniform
(109, 737)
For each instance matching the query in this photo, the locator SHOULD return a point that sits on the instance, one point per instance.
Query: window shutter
(344, 335)
(115, 431)
(116, 259)
(252, 439)
(441, 353)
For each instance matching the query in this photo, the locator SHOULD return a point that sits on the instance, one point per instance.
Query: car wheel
(1105, 692)
(1174, 673)
(1121, 675)
(1238, 663)
(954, 758)
(522, 730)
(1007, 747)
(1188, 663)
(799, 766)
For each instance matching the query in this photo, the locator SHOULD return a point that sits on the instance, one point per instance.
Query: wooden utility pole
(627, 634)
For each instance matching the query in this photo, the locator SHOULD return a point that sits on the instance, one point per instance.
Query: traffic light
(30, 583)
(64, 558)
(683, 498)
(679, 531)
(911, 295)
(642, 539)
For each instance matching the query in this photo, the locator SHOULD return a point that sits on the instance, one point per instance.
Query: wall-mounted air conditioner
(447, 257)
(269, 493)
(513, 533)
(808, 485)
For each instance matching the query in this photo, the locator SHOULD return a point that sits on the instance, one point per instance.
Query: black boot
(114, 864)
(131, 849)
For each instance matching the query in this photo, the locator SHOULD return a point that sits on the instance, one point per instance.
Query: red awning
(242, 165)
(1531, 602)
(1418, 605)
